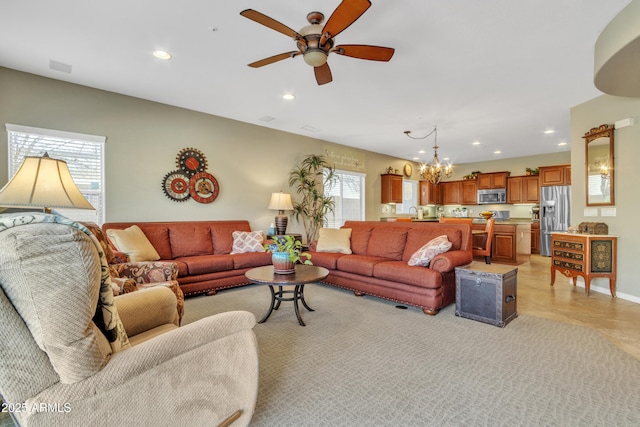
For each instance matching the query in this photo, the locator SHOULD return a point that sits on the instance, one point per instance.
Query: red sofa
(378, 265)
(202, 251)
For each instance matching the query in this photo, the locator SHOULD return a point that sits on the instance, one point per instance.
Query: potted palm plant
(310, 179)
(286, 252)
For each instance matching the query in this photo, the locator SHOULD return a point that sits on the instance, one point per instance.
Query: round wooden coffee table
(304, 274)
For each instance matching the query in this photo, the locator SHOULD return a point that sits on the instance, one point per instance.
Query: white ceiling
(496, 71)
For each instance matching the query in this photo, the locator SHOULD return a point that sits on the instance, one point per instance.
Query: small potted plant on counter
(286, 251)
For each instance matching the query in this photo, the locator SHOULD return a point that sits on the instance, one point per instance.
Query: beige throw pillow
(133, 242)
(334, 240)
(424, 255)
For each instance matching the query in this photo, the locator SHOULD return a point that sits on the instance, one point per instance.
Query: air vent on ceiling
(59, 66)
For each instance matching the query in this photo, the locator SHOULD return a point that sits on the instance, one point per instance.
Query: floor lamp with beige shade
(45, 183)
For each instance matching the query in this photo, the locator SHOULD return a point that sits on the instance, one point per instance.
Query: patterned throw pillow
(424, 255)
(247, 241)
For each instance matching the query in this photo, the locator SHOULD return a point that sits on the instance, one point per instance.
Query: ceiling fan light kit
(315, 42)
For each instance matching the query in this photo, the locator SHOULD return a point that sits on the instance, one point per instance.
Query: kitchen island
(511, 243)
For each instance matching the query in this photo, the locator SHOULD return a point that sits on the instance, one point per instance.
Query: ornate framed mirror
(599, 166)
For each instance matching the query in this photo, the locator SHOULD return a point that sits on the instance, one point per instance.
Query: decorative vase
(281, 263)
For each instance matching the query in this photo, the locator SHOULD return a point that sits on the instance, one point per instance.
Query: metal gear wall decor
(191, 179)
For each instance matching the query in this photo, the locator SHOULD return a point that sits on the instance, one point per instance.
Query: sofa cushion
(134, 243)
(247, 241)
(250, 260)
(418, 237)
(159, 238)
(423, 256)
(334, 240)
(359, 264)
(190, 240)
(400, 271)
(222, 235)
(387, 242)
(203, 264)
(360, 235)
(326, 259)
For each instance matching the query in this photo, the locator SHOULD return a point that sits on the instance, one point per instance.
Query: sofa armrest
(448, 261)
(146, 309)
(147, 271)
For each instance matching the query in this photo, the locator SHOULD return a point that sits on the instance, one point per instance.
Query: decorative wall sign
(191, 179)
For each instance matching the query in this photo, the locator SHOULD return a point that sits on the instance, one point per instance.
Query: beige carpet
(364, 362)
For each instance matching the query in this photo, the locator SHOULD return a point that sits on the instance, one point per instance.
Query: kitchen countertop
(515, 221)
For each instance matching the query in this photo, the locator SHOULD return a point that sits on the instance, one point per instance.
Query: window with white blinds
(83, 153)
(347, 191)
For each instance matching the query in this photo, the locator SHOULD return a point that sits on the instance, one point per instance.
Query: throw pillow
(247, 241)
(424, 255)
(334, 240)
(133, 242)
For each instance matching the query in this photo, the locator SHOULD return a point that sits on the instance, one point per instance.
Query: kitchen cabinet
(459, 192)
(511, 243)
(488, 181)
(451, 192)
(391, 188)
(555, 175)
(535, 237)
(429, 193)
(585, 255)
(469, 190)
(523, 189)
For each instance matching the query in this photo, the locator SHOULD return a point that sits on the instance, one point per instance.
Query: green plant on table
(290, 245)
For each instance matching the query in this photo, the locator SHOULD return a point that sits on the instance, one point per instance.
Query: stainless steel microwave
(493, 196)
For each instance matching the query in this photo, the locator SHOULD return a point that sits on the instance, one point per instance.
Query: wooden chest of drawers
(585, 255)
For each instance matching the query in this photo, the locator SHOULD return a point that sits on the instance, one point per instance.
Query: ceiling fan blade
(274, 58)
(345, 14)
(364, 51)
(270, 23)
(323, 74)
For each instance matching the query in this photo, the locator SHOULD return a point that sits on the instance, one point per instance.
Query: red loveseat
(202, 251)
(378, 265)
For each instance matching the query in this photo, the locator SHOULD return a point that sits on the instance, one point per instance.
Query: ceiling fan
(315, 41)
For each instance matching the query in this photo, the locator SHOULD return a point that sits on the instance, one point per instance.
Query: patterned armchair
(132, 276)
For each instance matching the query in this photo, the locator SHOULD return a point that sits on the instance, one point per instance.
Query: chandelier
(434, 172)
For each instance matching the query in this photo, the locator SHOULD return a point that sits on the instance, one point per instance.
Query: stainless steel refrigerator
(555, 214)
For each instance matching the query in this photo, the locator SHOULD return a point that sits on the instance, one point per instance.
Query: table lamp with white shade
(281, 202)
(45, 183)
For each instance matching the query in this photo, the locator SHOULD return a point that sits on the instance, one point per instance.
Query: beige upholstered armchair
(132, 276)
(71, 353)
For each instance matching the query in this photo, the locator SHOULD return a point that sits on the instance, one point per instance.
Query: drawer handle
(510, 298)
(478, 281)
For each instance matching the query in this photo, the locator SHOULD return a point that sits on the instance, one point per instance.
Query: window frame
(331, 221)
(51, 136)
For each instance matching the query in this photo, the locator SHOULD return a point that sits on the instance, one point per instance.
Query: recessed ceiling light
(421, 152)
(562, 143)
(161, 54)
(475, 143)
(497, 152)
(416, 158)
(288, 96)
(549, 131)
(446, 158)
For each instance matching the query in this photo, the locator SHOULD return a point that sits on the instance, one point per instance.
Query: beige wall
(608, 109)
